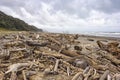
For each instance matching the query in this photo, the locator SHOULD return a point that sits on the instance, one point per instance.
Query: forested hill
(10, 23)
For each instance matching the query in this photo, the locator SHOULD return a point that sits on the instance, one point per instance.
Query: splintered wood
(50, 56)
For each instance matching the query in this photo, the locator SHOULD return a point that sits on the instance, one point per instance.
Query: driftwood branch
(110, 57)
(68, 70)
(65, 52)
(32, 43)
(13, 76)
(24, 75)
(104, 76)
(15, 67)
(77, 76)
(56, 65)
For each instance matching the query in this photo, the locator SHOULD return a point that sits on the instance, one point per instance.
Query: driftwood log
(65, 52)
(110, 57)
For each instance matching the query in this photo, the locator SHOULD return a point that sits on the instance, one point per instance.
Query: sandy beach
(55, 56)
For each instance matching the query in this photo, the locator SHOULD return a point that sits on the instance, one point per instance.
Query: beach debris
(104, 76)
(52, 56)
(1, 75)
(15, 67)
(79, 48)
(81, 63)
(89, 39)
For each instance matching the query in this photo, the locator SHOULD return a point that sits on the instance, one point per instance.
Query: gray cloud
(72, 15)
(12, 3)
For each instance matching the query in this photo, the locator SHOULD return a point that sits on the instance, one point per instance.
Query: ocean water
(104, 34)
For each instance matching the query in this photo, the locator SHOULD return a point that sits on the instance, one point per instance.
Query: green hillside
(15, 24)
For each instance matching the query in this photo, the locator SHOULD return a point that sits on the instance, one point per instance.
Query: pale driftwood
(86, 78)
(68, 70)
(69, 53)
(117, 76)
(65, 52)
(24, 75)
(56, 65)
(109, 77)
(4, 53)
(109, 57)
(3, 65)
(111, 47)
(15, 67)
(17, 57)
(13, 43)
(37, 36)
(90, 72)
(53, 40)
(13, 76)
(104, 76)
(19, 49)
(56, 55)
(79, 74)
(86, 70)
(1, 75)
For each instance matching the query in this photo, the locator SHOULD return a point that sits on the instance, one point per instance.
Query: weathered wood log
(24, 75)
(101, 45)
(69, 53)
(68, 70)
(110, 57)
(1, 75)
(78, 75)
(15, 67)
(51, 39)
(13, 43)
(31, 43)
(104, 76)
(56, 65)
(13, 76)
(5, 54)
(4, 65)
(19, 49)
(111, 47)
(113, 44)
(65, 52)
(86, 70)
(56, 55)
(109, 77)
(116, 76)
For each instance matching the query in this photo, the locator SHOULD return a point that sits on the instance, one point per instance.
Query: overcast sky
(66, 15)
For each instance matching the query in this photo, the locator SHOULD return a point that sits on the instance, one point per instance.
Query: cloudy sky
(66, 15)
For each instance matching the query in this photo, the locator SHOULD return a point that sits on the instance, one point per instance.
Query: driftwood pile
(48, 56)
